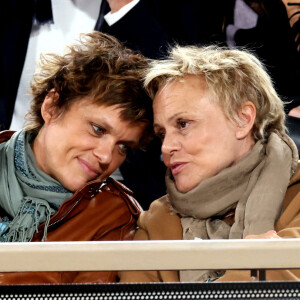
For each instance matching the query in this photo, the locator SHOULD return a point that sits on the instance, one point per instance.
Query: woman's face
(86, 142)
(198, 141)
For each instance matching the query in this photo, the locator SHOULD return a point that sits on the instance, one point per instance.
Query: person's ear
(49, 109)
(246, 115)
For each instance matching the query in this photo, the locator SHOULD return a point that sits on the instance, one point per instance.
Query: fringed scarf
(28, 195)
(256, 186)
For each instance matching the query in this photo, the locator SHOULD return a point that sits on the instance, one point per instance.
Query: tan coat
(159, 224)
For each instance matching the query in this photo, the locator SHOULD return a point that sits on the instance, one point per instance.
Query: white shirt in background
(71, 17)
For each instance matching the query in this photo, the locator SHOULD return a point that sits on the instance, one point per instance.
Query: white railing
(150, 255)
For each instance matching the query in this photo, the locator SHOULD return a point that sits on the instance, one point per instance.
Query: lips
(88, 169)
(177, 167)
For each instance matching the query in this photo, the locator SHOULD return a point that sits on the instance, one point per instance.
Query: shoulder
(290, 217)
(296, 176)
(160, 221)
(293, 190)
(110, 195)
(6, 135)
(159, 207)
(126, 194)
(113, 189)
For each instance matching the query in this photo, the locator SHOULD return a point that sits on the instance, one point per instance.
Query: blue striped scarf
(28, 195)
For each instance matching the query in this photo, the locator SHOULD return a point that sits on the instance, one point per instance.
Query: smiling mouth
(177, 167)
(91, 172)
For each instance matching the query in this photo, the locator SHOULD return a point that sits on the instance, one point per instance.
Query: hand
(116, 5)
(271, 234)
(295, 112)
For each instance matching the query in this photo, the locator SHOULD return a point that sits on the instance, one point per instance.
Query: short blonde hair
(232, 76)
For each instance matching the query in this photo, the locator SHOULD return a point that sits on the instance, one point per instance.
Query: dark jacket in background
(152, 25)
(15, 27)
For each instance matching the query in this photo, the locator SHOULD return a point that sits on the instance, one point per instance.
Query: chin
(183, 188)
(74, 186)
(186, 186)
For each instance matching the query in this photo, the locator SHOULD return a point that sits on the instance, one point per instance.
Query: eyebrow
(104, 123)
(131, 144)
(175, 116)
(110, 128)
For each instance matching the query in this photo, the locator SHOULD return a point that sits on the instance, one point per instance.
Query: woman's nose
(170, 144)
(104, 151)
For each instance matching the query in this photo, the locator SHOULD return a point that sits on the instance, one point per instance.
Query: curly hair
(232, 76)
(100, 67)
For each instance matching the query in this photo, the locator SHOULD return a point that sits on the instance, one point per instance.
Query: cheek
(208, 142)
(55, 152)
(166, 159)
(61, 153)
(116, 162)
(195, 145)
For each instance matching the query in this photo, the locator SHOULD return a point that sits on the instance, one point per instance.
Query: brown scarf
(256, 186)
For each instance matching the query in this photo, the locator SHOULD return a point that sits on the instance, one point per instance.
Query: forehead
(179, 87)
(86, 106)
(85, 110)
(186, 94)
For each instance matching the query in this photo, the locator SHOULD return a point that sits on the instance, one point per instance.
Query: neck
(38, 150)
(245, 146)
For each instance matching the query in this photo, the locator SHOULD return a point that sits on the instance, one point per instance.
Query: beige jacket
(158, 223)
